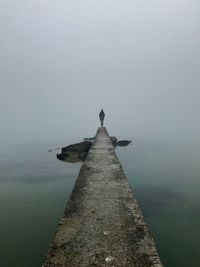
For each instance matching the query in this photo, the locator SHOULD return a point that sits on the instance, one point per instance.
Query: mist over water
(61, 62)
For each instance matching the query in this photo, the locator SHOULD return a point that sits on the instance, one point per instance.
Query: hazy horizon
(62, 61)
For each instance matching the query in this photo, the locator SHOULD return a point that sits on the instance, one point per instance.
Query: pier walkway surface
(102, 224)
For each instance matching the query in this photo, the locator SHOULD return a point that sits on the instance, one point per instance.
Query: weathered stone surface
(102, 223)
(72, 156)
(79, 147)
(75, 152)
(113, 140)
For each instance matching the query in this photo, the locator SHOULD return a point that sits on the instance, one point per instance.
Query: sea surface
(35, 187)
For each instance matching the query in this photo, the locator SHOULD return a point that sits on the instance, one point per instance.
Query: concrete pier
(102, 223)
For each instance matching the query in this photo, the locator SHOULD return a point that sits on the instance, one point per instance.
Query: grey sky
(62, 61)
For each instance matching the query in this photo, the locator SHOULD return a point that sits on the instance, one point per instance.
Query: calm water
(35, 186)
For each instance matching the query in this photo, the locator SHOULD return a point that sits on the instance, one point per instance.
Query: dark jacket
(101, 115)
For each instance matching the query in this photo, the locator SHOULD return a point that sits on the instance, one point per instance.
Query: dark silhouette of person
(101, 117)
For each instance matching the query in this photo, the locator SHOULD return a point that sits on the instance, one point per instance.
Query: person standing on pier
(101, 117)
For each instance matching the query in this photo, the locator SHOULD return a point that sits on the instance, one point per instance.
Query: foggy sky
(62, 61)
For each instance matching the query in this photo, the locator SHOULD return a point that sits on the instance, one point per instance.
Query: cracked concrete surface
(102, 224)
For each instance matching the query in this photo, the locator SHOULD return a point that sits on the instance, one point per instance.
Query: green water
(34, 188)
(165, 176)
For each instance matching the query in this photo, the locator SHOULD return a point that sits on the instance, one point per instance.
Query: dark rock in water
(72, 156)
(79, 147)
(113, 140)
(124, 142)
(78, 152)
(75, 152)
